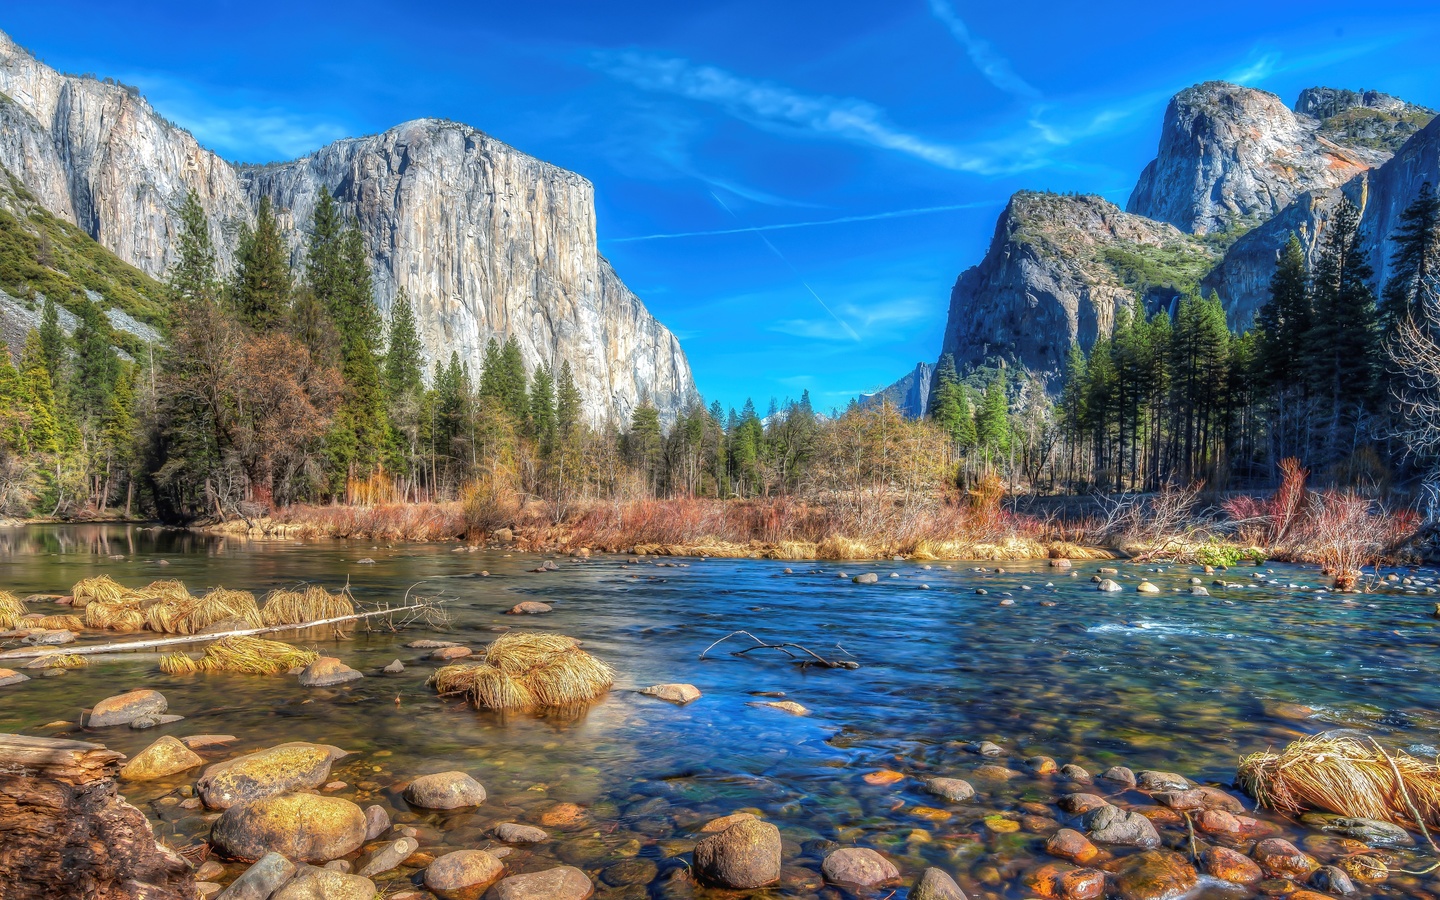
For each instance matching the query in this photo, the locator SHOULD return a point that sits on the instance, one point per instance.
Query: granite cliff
(488, 242)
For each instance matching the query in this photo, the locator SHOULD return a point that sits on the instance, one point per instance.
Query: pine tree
(96, 366)
(512, 366)
(323, 259)
(14, 416)
(1285, 320)
(992, 423)
(53, 343)
(44, 432)
(193, 277)
(542, 409)
(261, 289)
(492, 373)
(946, 406)
(568, 402)
(643, 442)
(1343, 343)
(1416, 260)
(403, 351)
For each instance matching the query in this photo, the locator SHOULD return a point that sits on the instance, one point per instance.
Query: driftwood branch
(804, 659)
(117, 646)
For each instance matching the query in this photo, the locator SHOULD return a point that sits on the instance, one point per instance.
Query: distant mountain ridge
(1235, 173)
(487, 241)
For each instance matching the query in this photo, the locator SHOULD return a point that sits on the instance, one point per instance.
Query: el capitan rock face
(487, 241)
(1231, 155)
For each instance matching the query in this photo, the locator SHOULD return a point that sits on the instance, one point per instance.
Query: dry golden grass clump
(1348, 776)
(314, 604)
(242, 655)
(54, 623)
(11, 610)
(60, 661)
(192, 615)
(528, 670)
(101, 588)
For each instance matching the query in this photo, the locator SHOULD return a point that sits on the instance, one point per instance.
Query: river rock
(10, 676)
(260, 881)
(1078, 804)
(745, 855)
(789, 706)
(1059, 563)
(956, 790)
(936, 884)
(1108, 585)
(277, 770)
(627, 872)
(866, 578)
(675, 693)
(377, 822)
(1071, 845)
(858, 866)
(463, 875)
(167, 756)
(388, 856)
(445, 654)
(1120, 775)
(1215, 798)
(1231, 865)
(1146, 587)
(445, 790)
(1332, 880)
(1282, 859)
(561, 883)
(395, 667)
(1153, 875)
(327, 884)
(208, 741)
(122, 709)
(308, 827)
(327, 671)
(514, 833)
(430, 644)
(1113, 825)
(715, 826)
(1075, 773)
(529, 608)
(1152, 781)
(145, 722)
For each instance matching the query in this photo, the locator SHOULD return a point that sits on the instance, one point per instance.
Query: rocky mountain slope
(1236, 172)
(1058, 269)
(487, 241)
(910, 395)
(1233, 156)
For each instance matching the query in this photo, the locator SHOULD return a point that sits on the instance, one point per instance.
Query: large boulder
(1153, 875)
(123, 709)
(260, 881)
(858, 866)
(166, 756)
(325, 884)
(936, 884)
(306, 827)
(463, 875)
(562, 883)
(745, 855)
(327, 671)
(445, 790)
(1113, 825)
(277, 770)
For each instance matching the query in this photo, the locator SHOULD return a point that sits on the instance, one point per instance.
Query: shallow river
(1166, 681)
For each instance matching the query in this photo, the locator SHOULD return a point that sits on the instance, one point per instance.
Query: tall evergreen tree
(542, 409)
(512, 367)
(1285, 320)
(403, 363)
(568, 402)
(1343, 343)
(53, 343)
(261, 288)
(1416, 260)
(96, 366)
(193, 277)
(992, 423)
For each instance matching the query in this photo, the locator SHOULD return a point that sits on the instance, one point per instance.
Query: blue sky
(792, 187)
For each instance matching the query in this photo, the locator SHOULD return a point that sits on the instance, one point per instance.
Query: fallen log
(66, 832)
(805, 659)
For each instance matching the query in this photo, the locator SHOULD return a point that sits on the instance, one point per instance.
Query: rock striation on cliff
(487, 241)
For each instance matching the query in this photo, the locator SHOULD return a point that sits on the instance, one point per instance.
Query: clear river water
(1169, 681)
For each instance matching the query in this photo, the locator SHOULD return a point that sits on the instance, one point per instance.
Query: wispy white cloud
(996, 68)
(879, 320)
(774, 106)
(1257, 69)
(786, 226)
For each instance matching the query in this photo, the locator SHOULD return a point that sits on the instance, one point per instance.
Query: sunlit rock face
(487, 241)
